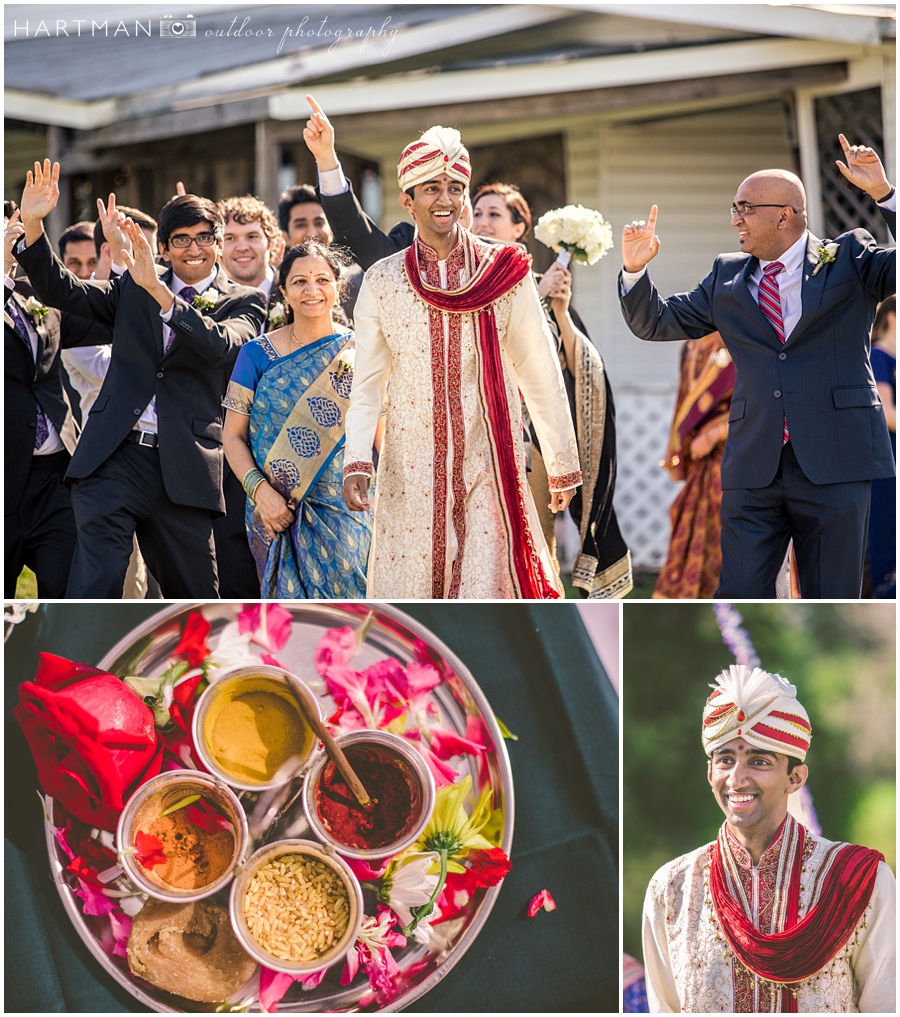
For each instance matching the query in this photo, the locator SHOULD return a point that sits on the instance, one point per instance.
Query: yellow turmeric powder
(253, 728)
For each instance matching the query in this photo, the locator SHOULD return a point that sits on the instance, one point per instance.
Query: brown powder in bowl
(195, 856)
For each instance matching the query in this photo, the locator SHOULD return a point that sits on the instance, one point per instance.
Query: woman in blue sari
(284, 427)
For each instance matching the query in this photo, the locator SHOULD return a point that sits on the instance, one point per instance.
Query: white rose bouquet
(576, 232)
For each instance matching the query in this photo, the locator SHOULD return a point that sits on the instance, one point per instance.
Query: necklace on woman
(293, 338)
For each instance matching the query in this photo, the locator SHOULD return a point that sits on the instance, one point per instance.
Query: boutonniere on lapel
(826, 255)
(35, 309)
(205, 301)
(275, 317)
(345, 364)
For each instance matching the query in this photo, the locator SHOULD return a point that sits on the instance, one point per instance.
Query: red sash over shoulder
(801, 947)
(497, 271)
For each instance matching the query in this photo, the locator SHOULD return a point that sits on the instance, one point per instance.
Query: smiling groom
(769, 918)
(447, 334)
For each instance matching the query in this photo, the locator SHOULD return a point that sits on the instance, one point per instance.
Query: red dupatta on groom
(798, 948)
(495, 273)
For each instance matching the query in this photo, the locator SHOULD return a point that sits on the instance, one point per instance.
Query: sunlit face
(80, 258)
(765, 232)
(194, 263)
(308, 220)
(310, 289)
(752, 785)
(492, 218)
(436, 206)
(245, 252)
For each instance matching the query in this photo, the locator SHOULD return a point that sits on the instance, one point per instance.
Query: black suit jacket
(820, 380)
(355, 230)
(27, 383)
(189, 381)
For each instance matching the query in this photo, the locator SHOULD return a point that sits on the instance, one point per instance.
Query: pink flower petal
(336, 648)
(444, 775)
(541, 900)
(270, 631)
(121, 929)
(363, 871)
(446, 744)
(351, 965)
(272, 987)
(94, 902)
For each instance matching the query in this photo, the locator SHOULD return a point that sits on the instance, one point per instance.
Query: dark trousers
(238, 578)
(827, 523)
(125, 496)
(41, 532)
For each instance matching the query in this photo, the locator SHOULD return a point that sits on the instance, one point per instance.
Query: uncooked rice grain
(296, 907)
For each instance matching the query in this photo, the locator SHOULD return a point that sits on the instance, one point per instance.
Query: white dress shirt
(790, 282)
(148, 420)
(333, 182)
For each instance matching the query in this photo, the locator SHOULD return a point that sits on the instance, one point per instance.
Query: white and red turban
(759, 707)
(439, 150)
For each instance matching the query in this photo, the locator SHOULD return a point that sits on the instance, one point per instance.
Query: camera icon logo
(178, 28)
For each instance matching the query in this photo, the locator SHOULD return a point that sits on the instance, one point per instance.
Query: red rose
(91, 736)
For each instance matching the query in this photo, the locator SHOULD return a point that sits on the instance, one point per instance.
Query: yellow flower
(451, 830)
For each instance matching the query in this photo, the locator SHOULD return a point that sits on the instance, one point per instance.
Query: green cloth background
(539, 670)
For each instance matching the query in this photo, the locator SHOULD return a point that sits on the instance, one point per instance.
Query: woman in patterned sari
(697, 441)
(284, 425)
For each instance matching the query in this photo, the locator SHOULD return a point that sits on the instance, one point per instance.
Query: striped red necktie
(770, 305)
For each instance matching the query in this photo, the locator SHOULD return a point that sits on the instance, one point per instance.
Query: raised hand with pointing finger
(319, 137)
(864, 169)
(640, 244)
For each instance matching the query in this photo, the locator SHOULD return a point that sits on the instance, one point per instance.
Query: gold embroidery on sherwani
(395, 344)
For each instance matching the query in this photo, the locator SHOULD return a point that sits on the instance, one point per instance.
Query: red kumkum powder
(393, 787)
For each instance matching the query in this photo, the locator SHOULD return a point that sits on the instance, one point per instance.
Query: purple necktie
(42, 431)
(187, 294)
(770, 305)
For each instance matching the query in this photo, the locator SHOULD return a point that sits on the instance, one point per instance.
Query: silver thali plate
(147, 649)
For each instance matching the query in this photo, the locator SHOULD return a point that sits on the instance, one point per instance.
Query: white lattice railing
(643, 490)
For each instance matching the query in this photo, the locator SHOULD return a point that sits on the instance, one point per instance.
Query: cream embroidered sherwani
(684, 963)
(439, 528)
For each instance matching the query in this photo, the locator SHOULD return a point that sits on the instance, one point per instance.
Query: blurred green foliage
(841, 657)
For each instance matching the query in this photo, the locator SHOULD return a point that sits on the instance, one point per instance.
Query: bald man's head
(771, 213)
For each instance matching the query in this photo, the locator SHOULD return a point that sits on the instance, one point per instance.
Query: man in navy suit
(807, 433)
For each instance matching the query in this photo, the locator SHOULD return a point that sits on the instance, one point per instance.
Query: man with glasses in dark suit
(150, 459)
(807, 433)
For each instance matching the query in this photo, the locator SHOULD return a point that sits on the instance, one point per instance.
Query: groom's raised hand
(640, 244)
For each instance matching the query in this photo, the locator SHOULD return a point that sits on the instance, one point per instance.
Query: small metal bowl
(238, 906)
(262, 678)
(155, 797)
(416, 766)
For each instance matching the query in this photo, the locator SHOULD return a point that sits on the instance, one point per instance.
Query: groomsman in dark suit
(807, 434)
(150, 459)
(39, 436)
(301, 215)
(253, 245)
